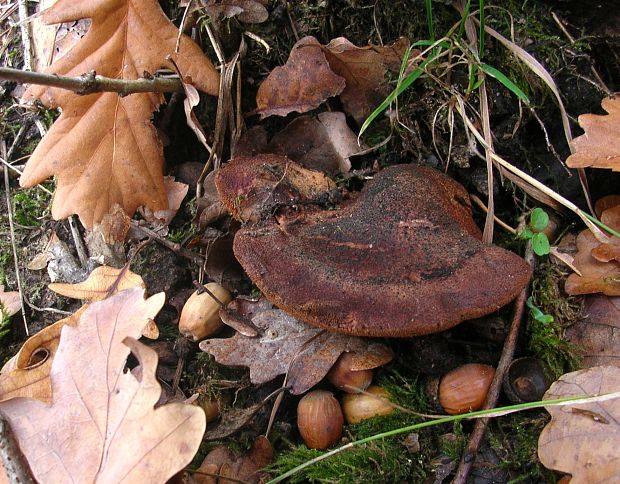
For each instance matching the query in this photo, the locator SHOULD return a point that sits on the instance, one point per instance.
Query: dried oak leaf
(324, 143)
(103, 148)
(402, 258)
(596, 276)
(10, 301)
(598, 147)
(101, 283)
(301, 85)
(248, 11)
(595, 336)
(27, 374)
(582, 440)
(364, 69)
(287, 345)
(102, 425)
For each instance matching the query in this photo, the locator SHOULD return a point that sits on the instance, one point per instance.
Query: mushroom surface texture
(401, 258)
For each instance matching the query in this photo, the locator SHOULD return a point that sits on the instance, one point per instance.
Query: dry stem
(91, 82)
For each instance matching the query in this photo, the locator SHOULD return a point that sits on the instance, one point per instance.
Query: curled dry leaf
(102, 425)
(103, 148)
(594, 336)
(598, 147)
(101, 283)
(175, 193)
(343, 269)
(248, 11)
(246, 468)
(364, 69)
(582, 440)
(232, 421)
(301, 85)
(324, 143)
(596, 276)
(288, 346)
(10, 301)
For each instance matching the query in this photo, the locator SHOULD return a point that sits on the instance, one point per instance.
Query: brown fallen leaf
(175, 192)
(598, 147)
(101, 283)
(596, 276)
(288, 346)
(103, 148)
(27, 374)
(247, 11)
(364, 69)
(246, 468)
(324, 143)
(102, 425)
(594, 336)
(232, 421)
(10, 302)
(301, 85)
(582, 440)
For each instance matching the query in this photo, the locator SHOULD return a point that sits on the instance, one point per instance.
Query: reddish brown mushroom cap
(402, 259)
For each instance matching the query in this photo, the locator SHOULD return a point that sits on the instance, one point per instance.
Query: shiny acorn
(344, 378)
(362, 406)
(319, 419)
(465, 388)
(200, 316)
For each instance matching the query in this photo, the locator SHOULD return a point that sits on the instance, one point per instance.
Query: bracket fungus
(403, 257)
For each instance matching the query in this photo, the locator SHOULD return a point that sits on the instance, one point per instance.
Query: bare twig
(498, 221)
(24, 27)
(9, 210)
(173, 246)
(77, 239)
(475, 438)
(90, 83)
(15, 465)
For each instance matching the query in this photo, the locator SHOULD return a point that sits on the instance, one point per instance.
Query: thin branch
(9, 209)
(475, 439)
(24, 28)
(90, 83)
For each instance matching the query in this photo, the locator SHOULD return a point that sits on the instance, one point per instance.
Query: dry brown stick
(15, 465)
(9, 208)
(90, 83)
(173, 246)
(475, 438)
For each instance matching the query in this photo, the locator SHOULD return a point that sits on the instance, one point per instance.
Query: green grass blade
(428, 4)
(508, 84)
(481, 34)
(464, 18)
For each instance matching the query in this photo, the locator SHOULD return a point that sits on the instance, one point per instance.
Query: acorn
(362, 406)
(200, 316)
(319, 419)
(465, 388)
(526, 380)
(344, 378)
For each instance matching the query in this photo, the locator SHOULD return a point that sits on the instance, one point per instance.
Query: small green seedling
(537, 314)
(539, 220)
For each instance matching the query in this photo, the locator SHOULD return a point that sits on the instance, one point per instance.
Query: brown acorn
(344, 378)
(200, 316)
(465, 388)
(319, 419)
(361, 406)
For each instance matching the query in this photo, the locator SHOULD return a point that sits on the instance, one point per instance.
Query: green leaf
(540, 244)
(539, 219)
(526, 233)
(508, 84)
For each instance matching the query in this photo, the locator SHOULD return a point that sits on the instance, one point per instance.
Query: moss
(30, 206)
(515, 440)
(546, 339)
